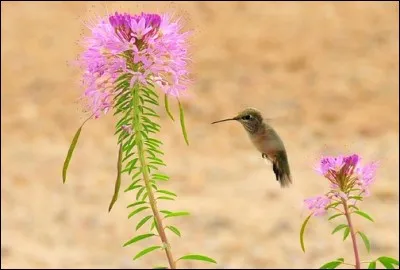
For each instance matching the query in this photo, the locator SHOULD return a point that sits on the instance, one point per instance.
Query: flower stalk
(352, 233)
(153, 203)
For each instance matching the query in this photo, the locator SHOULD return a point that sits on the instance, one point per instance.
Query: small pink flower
(317, 204)
(127, 128)
(366, 176)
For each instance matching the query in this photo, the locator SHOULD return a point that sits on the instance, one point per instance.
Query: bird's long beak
(229, 119)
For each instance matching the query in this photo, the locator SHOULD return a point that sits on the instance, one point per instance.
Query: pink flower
(347, 172)
(317, 204)
(366, 176)
(149, 47)
(127, 128)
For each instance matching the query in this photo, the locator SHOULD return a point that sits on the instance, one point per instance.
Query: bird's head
(250, 118)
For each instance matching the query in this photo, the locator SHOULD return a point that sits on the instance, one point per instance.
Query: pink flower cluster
(344, 173)
(148, 47)
(317, 204)
(344, 169)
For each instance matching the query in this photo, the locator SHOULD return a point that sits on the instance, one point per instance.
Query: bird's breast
(265, 143)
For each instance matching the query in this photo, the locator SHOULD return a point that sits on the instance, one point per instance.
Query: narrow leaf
(160, 176)
(332, 205)
(133, 185)
(160, 267)
(363, 214)
(174, 230)
(165, 212)
(366, 241)
(138, 238)
(136, 203)
(165, 198)
(197, 257)
(388, 262)
(167, 107)
(359, 198)
(140, 192)
(138, 211)
(353, 206)
(182, 118)
(331, 265)
(334, 216)
(145, 251)
(302, 232)
(153, 225)
(71, 150)
(177, 214)
(339, 227)
(142, 222)
(372, 265)
(346, 233)
(166, 192)
(118, 180)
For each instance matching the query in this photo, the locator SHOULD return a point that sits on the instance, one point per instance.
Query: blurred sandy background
(327, 73)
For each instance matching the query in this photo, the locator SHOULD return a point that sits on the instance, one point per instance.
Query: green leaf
(127, 156)
(346, 233)
(138, 211)
(363, 214)
(143, 221)
(197, 257)
(133, 185)
(165, 212)
(177, 214)
(353, 206)
(136, 203)
(331, 265)
(332, 205)
(138, 238)
(166, 192)
(366, 241)
(118, 181)
(71, 150)
(182, 118)
(165, 198)
(334, 216)
(372, 265)
(153, 225)
(152, 101)
(160, 177)
(145, 251)
(388, 262)
(167, 107)
(359, 198)
(131, 164)
(339, 227)
(145, 195)
(302, 232)
(160, 267)
(174, 230)
(140, 192)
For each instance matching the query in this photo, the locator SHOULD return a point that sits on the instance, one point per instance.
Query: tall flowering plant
(350, 182)
(126, 60)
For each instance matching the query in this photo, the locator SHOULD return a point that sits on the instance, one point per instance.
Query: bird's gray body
(267, 142)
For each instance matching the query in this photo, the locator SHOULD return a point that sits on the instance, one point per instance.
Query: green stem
(153, 203)
(352, 233)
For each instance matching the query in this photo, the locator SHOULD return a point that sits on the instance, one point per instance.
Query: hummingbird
(267, 141)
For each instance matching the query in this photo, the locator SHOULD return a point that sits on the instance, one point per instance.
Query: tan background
(327, 73)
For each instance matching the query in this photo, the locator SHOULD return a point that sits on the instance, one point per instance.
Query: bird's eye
(247, 117)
